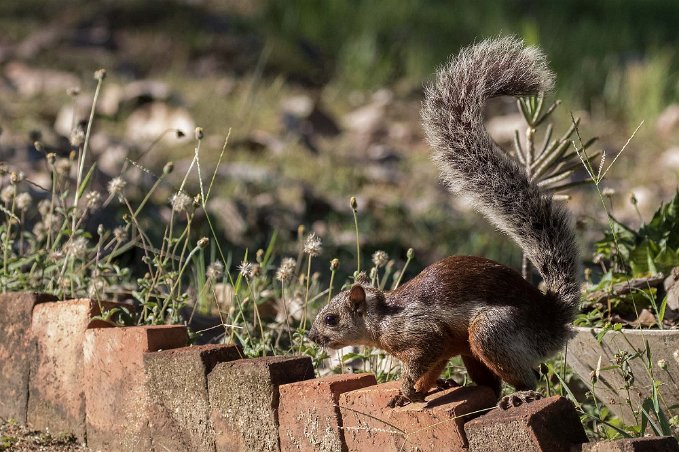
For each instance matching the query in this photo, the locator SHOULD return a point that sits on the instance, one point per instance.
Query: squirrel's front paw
(518, 399)
(398, 400)
(401, 400)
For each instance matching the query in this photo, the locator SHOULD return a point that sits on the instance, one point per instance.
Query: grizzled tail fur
(473, 165)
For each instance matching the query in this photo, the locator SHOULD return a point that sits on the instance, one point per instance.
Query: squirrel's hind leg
(481, 374)
(505, 350)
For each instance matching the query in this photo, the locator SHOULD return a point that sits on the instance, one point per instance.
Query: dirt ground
(17, 438)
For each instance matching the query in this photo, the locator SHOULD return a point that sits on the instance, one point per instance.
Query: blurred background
(321, 101)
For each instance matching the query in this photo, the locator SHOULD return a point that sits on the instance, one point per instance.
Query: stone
(117, 403)
(433, 425)
(650, 444)
(157, 120)
(31, 81)
(244, 400)
(17, 351)
(309, 416)
(585, 353)
(177, 386)
(56, 398)
(549, 424)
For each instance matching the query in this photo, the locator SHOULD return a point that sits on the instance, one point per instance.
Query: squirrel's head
(348, 318)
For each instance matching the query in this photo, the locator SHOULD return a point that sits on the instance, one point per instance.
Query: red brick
(550, 424)
(652, 444)
(117, 402)
(244, 400)
(177, 387)
(17, 351)
(56, 398)
(308, 413)
(436, 424)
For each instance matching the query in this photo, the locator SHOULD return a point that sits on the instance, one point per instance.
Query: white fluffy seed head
(313, 245)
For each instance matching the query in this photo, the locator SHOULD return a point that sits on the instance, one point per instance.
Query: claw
(446, 383)
(398, 400)
(518, 399)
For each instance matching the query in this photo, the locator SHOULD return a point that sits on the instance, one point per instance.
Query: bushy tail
(472, 164)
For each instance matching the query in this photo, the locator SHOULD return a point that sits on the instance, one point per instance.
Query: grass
(265, 303)
(172, 274)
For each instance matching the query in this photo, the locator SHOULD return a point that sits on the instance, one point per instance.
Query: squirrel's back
(473, 165)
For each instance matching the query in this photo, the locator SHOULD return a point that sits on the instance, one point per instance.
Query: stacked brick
(144, 388)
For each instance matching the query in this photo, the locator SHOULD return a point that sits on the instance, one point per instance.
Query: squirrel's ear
(357, 297)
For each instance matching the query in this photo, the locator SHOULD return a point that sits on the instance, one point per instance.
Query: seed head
(22, 201)
(286, 270)
(608, 192)
(16, 176)
(312, 245)
(63, 166)
(92, 200)
(76, 248)
(633, 199)
(180, 201)
(202, 243)
(77, 136)
(119, 234)
(411, 253)
(7, 194)
(199, 133)
(380, 258)
(116, 186)
(245, 269)
(215, 270)
(39, 231)
(51, 158)
(334, 264)
(593, 376)
(662, 364)
(44, 207)
(354, 203)
(100, 74)
(168, 168)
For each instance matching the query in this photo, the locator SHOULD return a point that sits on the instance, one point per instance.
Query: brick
(56, 398)
(651, 444)
(17, 351)
(117, 403)
(244, 400)
(308, 414)
(436, 424)
(550, 424)
(177, 387)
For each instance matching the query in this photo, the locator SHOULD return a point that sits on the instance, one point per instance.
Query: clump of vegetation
(267, 301)
(633, 266)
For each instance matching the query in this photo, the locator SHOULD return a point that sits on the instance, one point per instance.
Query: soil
(19, 438)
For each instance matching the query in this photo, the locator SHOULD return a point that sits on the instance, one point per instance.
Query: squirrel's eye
(330, 320)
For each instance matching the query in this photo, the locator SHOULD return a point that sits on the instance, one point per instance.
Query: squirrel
(500, 324)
